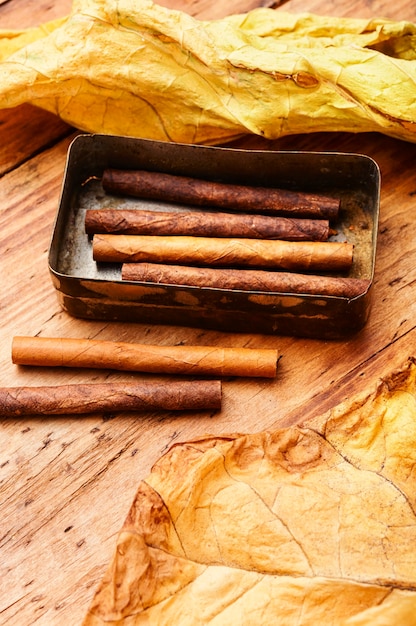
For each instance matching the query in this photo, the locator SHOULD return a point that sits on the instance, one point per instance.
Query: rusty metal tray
(86, 289)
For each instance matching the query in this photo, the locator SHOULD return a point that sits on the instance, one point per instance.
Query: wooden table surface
(66, 483)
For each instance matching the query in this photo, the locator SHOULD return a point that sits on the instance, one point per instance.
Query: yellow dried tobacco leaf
(131, 67)
(305, 526)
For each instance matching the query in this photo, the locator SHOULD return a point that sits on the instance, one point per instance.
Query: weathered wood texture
(66, 484)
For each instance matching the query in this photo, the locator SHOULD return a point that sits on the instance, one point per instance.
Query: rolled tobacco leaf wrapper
(327, 256)
(191, 360)
(80, 399)
(205, 193)
(204, 224)
(245, 280)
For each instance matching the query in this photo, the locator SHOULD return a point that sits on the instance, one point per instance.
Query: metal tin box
(88, 290)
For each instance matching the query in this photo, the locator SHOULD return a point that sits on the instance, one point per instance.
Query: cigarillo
(190, 360)
(325, 256)
(78, 399)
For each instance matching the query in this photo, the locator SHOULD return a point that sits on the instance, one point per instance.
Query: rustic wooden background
(66, 484)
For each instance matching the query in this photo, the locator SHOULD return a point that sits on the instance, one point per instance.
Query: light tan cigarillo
(328, 256)
(190, 360)
(78, 399)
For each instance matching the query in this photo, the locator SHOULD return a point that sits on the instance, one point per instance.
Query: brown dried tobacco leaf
(135, 68)
(301, 526)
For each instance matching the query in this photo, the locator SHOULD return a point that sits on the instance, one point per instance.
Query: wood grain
(20, 14)
(25, 121)
(400, 10)
(66, 485)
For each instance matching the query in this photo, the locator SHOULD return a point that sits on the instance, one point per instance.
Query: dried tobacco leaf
(302, 526)
(135, 68)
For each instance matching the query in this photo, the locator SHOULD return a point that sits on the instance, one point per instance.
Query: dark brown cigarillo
(245, 280)
(189, 360)
(203, 224)
(204, 193)
(78, 399)
(326, 256)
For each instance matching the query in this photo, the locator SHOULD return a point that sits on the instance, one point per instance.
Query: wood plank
(25, 130)
(206, 9)
(400, 10)
(82, 461)
(66, 484)
(20, 14)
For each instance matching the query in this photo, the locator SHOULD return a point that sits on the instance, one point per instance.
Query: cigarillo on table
(204, 224)
(205, 193)
(244, 280)
(189, 360)
(329, 256)
(78, 399)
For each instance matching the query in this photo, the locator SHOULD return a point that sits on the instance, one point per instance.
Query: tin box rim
(105, 151)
